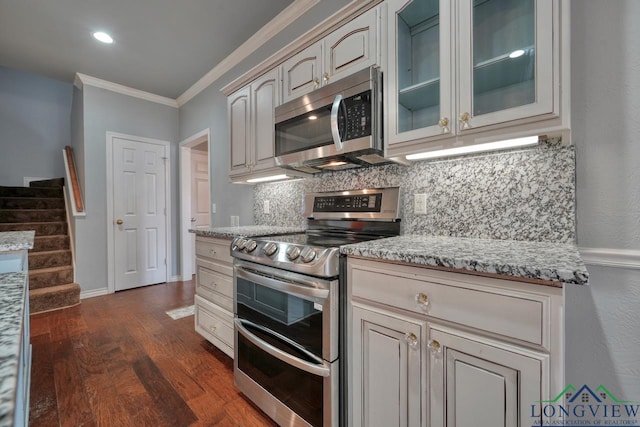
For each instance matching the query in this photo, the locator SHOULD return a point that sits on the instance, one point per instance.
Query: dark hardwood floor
(120, 360)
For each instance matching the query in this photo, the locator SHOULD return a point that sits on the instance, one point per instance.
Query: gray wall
(209, 110)
(603, 320)
(105, 111)
(34, 126)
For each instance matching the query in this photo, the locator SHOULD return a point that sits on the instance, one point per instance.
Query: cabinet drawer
(213, 323)
(216, 249)
(506, 312)
(215, 287)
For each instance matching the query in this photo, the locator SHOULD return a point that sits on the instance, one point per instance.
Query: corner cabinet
(352, 47)
(439, 348)
(456, 70)
(251, 125)
(214, 292)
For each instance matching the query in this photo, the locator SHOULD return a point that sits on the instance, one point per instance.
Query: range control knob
(251, 245)
(270, 248)
(293, 252)
(241, 243)
(308, 255)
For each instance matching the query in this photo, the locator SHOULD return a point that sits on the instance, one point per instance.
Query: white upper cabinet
(348, 49)
(471, 67)
(419, 87)
(239, 130)
(252, 126)
(352, 47)
(302, 72)
(505, 61)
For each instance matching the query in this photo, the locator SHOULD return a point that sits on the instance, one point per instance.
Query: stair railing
(73, 189)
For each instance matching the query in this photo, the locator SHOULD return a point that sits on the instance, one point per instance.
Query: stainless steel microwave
(338, 126)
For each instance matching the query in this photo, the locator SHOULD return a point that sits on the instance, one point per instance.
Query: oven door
(302, 308)
(288, 383)
(286, 342)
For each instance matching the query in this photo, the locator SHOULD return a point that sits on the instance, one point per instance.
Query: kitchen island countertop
(16, 240)
(12, 306)
(246, 231)
(518, 260)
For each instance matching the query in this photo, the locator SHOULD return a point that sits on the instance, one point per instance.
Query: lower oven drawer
(215, 324)
(292, 393)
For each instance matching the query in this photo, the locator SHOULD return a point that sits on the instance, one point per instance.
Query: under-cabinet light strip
(269, 178)
(489, 146)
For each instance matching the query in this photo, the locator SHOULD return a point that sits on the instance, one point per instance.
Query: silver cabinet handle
(335, 132)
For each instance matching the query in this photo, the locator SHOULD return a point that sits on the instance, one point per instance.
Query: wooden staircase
(40, 207)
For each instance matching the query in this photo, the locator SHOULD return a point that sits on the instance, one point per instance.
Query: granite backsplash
(522, 194)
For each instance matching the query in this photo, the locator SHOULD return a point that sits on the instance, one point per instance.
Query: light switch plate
(266, 207)
(420, 203)
(213, 208)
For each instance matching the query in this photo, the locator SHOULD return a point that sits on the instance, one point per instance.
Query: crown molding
(82, 79)
(608, 257)
(264, 34)
(341, 17)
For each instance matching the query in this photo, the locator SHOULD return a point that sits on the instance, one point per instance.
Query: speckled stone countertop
(245, 230)
(12, 303)
(549, 262)
(16, 240)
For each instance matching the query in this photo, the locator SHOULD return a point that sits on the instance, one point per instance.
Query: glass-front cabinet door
(505, 61)
(418, 83)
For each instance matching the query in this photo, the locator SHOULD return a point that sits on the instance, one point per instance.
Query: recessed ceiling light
(103, 37)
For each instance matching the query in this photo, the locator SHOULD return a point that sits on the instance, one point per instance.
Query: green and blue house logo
(585, 406)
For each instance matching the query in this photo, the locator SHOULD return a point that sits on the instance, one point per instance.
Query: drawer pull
(435, 347)
(213, 328)
(422, 301)
(412, 340)
(213, 252)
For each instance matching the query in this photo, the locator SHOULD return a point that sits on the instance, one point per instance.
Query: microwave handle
(335, 132)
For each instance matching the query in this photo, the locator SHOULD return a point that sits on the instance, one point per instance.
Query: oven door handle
(316, 369)
(282, 285)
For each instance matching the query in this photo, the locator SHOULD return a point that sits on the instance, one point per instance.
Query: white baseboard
(93, 293)
(175, 279)
(608, 257)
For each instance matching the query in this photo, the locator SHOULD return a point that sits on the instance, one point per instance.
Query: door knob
(193, 220)
(119, 221)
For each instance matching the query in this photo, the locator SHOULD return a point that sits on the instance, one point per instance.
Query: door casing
(186, 240)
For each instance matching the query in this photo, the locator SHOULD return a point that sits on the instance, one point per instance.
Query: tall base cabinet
(437, 348)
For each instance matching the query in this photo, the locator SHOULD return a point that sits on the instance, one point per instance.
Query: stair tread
(52, 289)
(56, 251)
(50, 270)
(34, 210)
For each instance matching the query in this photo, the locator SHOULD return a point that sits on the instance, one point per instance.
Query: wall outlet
(420, 203)
(235, 221)
(266, 207)
(213, 208)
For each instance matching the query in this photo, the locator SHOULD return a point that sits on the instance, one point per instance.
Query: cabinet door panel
(302, 72)
(506, 61)
(474, 382)
(387, 376)
(352, 47)
(264, 97)
(239, 130)
(419, 82)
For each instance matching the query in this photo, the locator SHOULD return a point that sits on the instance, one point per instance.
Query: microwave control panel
(352, 203)
(354, 121)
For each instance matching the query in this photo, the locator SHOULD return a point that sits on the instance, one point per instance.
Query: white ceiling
(161, 46)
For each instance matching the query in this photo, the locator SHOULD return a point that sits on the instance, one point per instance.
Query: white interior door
(199, 194)
(139, 212)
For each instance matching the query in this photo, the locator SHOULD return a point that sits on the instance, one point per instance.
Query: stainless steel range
(290, 307)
